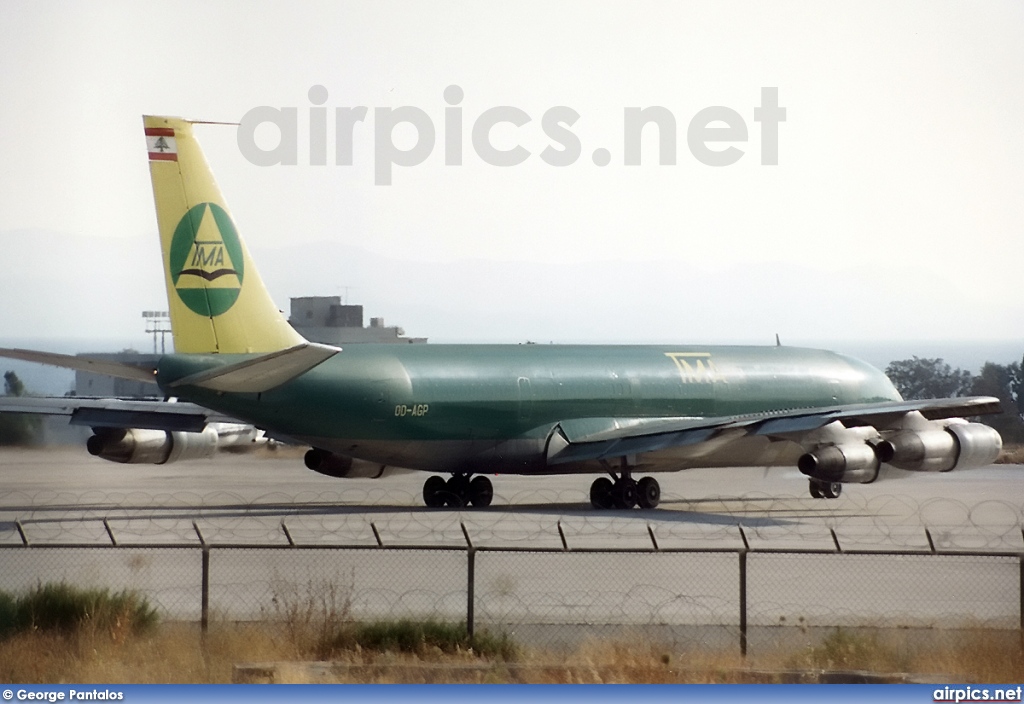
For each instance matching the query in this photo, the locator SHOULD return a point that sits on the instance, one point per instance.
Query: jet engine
(911, 442)
(840, 454)
(341, 467)
(846, 463)
(140, 446)
(940, 448)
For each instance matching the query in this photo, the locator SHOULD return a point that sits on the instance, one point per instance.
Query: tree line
(923, 378)
(18, 428)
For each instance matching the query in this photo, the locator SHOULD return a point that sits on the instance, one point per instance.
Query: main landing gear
(625, 492)
(825, 490)
(458, 492)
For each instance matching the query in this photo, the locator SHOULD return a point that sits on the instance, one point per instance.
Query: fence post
(470, 582)
(1020, 587)
(110, 533)
(470, 591)
(204, 618)
(21, 532)
(204, 609)
(742, 553)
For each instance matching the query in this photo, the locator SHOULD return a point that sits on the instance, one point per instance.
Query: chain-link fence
(556, 596)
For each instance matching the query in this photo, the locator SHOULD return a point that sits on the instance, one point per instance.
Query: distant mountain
(564, 301)
(60, 286)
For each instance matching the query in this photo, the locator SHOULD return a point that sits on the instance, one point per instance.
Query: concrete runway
(64, 496)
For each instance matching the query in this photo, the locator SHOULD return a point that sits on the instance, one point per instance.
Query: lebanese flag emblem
(161, 144)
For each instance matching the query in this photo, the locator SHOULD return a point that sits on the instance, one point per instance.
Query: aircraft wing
(83, 364)
(117, 413)
(602, 438)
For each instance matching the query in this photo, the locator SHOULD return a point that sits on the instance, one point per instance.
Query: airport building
(326, 320)
(322, 319)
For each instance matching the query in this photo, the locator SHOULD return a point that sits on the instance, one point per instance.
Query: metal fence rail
(552, 595)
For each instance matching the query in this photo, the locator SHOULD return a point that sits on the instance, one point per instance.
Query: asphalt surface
(63, 495)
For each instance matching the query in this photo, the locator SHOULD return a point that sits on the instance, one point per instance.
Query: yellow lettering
(695, 367)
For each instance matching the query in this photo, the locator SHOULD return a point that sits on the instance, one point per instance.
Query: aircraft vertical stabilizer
(217, 301)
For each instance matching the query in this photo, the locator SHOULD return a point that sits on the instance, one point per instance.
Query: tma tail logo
(206, 261)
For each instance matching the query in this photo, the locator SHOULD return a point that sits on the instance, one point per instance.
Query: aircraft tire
(457, 491)
(481, 491)
(601, 493)
(832, 490)
(434, 490)
(625, 493)
(815, 489)
(648, 493)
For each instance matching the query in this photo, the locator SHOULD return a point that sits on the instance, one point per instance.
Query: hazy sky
(895, 209)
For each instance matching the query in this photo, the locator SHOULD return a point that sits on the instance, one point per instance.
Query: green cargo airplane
(465, 411)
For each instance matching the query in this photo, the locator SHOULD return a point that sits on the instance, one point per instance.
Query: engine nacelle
(141, 446)
(980, 444)
(955, 446)
(848, 463)
(341, 467)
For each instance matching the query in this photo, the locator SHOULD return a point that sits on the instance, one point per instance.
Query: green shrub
(8, 614)
(421, 636)
(845, 649)
(65, 608)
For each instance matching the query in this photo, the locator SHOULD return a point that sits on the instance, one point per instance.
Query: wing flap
(877, 413)
(602, 438)
(261, 373)
(604, 449)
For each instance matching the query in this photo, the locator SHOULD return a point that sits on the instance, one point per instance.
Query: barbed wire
(541, 518)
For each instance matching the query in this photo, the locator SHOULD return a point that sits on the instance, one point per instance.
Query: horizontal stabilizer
(261, 373)
(84, 364)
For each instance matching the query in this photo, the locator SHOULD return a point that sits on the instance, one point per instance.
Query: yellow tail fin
(218, 302)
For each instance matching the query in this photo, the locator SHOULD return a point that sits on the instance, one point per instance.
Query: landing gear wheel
(481, 491)
(434, 492)
(831, 490)
(815, 487)
(648, 493)
(601, 493)
(457, 491)
(625, 493)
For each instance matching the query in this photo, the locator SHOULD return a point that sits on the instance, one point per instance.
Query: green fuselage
(460, 407)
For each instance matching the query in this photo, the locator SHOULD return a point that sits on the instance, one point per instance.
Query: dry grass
(313, 623)
(978, 655)
(175, 652)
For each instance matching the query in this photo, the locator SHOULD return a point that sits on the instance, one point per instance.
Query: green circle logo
(206, 260)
